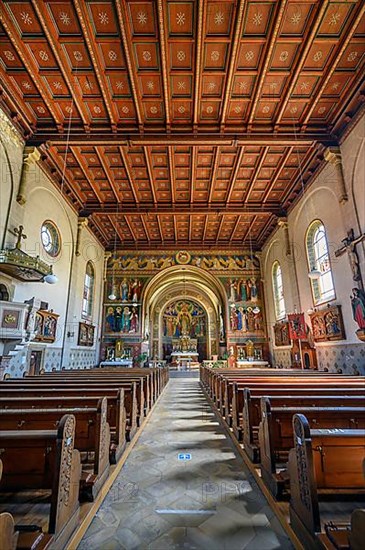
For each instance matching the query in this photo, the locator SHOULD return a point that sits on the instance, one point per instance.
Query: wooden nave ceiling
(182, 123)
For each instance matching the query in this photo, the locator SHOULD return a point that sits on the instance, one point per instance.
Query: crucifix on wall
(349, 246)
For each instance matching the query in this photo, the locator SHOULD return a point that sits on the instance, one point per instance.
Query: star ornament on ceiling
(103, 18)
(65, 18)
(180, 18)
(26, 18)
(142, 17)
(219, 18)
(334, 19)
(296, 18)
(257, 19)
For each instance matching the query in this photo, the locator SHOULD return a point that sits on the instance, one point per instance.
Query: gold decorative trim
(9, 134)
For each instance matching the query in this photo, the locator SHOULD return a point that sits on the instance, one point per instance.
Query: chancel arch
(175, 287)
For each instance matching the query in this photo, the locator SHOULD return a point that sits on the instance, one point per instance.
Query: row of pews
(60, 434)
(304, 432)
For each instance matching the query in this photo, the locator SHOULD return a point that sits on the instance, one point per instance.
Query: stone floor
(160, 501)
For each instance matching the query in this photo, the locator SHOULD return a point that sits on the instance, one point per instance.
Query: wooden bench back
(252, 407)
(130, 395)
(322, 459)
(44, 459)
(276, 427)
(92, 431)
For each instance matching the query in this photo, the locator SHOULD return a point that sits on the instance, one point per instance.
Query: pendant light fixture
(112, 296)
(256, 309)
(314, 273)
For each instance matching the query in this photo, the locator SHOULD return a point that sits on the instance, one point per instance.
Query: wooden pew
(157, 377)
(327, 460)
(8, 534)
(116, 414)
(271, 382)
(92, 438)
(39, 460)
(146, 400)
(236, 420)
(251, 415)
(130, 399)
(219, 378)
(345, 535)
(83, 386)
(276, 435)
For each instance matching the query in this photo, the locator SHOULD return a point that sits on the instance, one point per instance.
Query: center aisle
(159, 501)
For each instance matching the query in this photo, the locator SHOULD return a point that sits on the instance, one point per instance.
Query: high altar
(184, 351)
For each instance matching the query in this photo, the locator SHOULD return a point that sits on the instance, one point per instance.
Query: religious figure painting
(126, 289)
(327, 324)
(297, 326)
(281, 332)
(45, 326)
(243, 290)
(184, 318)
(216, 262)
(86, 335)
(122, 319)
(244, 319)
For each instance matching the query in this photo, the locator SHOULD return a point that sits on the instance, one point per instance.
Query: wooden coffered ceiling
(181, 123)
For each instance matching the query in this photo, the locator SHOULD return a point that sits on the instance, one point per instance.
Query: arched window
(87, 301)
(277, 285)
(4, 293)
(318, 259)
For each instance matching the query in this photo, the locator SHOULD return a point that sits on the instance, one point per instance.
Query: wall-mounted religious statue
(358, 311)
(349, 246)
(281, 332)
(327, 324)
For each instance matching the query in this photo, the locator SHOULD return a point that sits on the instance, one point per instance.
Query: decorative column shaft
(81, 222)
(283, 222)
(333, 156)
(31, 156)
(107, 255)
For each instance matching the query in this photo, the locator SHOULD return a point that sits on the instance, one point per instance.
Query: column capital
(82, 222)
(283, 222)
(333, 155)
(31, 155)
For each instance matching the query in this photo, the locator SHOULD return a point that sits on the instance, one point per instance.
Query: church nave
(160, 502)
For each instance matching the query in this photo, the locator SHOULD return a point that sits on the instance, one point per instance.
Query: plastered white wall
(321, 201)
(44, 202)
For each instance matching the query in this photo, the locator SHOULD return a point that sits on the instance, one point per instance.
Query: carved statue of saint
(358, 307)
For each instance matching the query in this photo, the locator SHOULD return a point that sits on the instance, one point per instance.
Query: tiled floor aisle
(208, 502)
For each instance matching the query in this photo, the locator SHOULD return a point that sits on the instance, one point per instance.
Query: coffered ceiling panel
(182, 122)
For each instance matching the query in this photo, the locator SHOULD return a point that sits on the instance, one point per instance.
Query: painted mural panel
(240, 315)
(122, 319)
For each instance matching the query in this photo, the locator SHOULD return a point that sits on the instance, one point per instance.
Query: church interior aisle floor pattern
(161, 499)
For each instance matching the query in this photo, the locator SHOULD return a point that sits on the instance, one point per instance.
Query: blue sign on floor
(184, 456)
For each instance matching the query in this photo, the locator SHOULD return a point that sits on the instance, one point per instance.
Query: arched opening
(4, 293)
(184, 301)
